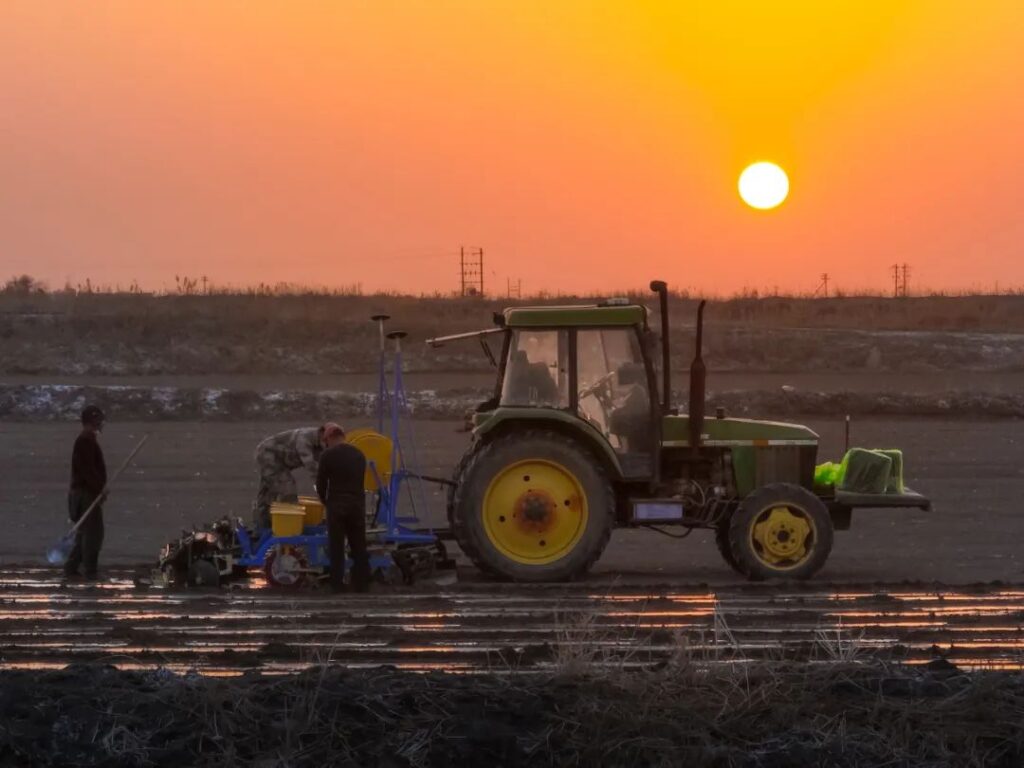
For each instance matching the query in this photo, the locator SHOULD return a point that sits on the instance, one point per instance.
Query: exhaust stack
(698, 377)
(660, 287)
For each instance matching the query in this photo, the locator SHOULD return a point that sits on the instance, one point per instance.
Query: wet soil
(453, 625)
(678, 713)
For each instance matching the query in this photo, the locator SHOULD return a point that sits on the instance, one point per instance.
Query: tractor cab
(588, 363)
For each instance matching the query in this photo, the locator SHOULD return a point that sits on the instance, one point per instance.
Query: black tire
(725, 546)
(203, 573)
(488, 460)
(460, 470)
(801, 503)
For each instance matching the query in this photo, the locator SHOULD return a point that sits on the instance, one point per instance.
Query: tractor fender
(502, 421)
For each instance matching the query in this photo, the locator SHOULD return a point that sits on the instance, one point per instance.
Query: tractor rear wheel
(780, 531)
(533, 506)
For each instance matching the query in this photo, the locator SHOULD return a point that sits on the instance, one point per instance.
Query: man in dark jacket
(88, 479)
(339, 483)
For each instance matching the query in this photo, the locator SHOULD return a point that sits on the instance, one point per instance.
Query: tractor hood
(736, 432)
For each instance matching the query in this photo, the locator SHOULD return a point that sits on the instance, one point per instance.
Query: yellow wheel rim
(782, 536)
(535, 511)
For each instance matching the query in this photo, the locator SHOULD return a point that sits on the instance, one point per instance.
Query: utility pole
(895, 280)
(471, 265)
(515, 290)
(906, 273)
(823, 285)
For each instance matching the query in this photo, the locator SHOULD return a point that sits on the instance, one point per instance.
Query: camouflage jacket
(292, 449)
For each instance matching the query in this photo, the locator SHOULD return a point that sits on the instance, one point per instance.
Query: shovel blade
(58, 553)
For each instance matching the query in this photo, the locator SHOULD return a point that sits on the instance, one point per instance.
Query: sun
(763, 185)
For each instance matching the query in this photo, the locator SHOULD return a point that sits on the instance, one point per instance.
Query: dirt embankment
(64, 402)
(168, 335)
(680, 714)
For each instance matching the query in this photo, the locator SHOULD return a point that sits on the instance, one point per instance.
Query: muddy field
(660, 657)
(443, 624)
(196, 472)
(439, 674)
(741, 716)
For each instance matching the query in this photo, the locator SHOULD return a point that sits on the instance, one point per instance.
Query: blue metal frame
(313, 540)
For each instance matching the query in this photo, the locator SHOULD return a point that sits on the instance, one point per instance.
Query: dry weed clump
(679, 713)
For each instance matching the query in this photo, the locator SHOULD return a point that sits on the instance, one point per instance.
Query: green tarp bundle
(863, 471)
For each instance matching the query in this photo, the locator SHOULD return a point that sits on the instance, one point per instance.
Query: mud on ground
(766, 715)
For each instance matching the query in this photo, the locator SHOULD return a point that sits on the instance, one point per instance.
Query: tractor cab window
(613, 392)
(537, 369)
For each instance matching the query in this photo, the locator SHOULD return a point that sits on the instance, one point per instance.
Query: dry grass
(426, 315)
(137, 334)
(686, 712)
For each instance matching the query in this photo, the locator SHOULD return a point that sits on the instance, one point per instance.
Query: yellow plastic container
(378, 451)
(287, 519)
(314, 509)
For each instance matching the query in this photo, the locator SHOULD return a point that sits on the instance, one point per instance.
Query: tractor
(581, 437)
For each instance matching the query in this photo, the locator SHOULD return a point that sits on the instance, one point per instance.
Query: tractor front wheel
(533, 506)
(780, 531)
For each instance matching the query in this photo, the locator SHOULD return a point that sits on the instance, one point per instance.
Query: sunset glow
(364, 143)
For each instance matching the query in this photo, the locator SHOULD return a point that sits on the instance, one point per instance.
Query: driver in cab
(529, 382)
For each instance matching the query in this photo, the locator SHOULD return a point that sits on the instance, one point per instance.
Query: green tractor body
(582, 437)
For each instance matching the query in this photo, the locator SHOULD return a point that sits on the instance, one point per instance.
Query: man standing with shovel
(88, 479)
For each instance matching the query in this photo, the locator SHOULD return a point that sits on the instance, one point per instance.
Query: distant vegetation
(288, 328)
(927, 312)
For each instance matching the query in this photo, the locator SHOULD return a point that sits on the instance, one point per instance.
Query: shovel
(58, 553)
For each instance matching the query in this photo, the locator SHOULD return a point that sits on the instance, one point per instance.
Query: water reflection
(44, 625)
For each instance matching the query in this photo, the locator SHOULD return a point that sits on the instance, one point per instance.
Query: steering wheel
(600, 389)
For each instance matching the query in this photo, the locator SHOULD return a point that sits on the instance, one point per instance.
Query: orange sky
(586, 146)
